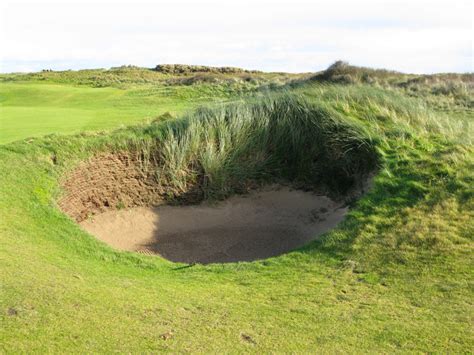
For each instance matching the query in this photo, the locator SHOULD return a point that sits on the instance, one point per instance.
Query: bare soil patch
(110, 181)
(262, 224)
(107, 181)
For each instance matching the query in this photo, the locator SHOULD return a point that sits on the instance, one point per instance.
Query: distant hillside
(163, 74)
(187, 69)
(444, 91)
(457, 88)
(343, 72)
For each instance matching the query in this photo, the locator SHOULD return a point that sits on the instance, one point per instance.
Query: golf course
(195, 209)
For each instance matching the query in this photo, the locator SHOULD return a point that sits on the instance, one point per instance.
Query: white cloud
(412, 36)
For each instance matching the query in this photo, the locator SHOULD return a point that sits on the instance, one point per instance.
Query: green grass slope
(396, 276)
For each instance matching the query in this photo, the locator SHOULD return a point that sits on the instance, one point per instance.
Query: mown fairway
(37, 109)
(396, 276)
(32, 109)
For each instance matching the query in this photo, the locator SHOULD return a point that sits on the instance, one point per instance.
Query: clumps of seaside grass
(230, 147)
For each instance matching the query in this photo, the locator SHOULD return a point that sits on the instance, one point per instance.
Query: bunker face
(262, 224)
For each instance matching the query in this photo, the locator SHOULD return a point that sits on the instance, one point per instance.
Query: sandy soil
(262, 224)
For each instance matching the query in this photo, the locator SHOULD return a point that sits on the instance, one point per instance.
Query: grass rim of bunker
(216, 152)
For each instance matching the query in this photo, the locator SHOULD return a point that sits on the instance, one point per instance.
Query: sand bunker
(259, 225)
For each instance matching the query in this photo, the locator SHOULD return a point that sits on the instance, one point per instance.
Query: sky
(414, 36)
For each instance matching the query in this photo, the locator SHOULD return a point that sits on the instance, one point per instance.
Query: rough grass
(125, 76)
(395, 276)
(284, 137)
(444, 91)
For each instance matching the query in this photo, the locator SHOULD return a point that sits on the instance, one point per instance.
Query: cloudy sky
(418, 36)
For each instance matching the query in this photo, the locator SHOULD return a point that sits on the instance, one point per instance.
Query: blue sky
(417, 36)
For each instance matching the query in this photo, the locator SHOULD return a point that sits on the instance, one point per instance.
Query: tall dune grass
(228, 147)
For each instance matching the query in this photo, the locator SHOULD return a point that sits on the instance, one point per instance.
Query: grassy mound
(215, 152)
(394, 276)
(186, 69)
(443, 91)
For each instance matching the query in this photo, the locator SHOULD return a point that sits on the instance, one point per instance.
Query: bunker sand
(259, 225)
